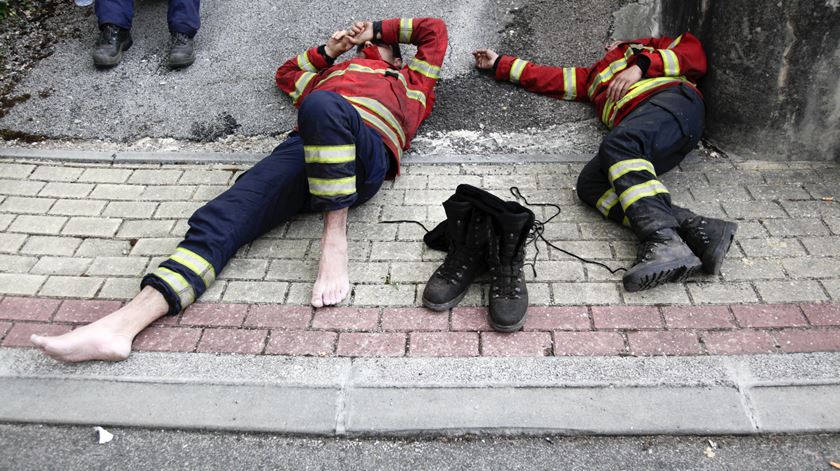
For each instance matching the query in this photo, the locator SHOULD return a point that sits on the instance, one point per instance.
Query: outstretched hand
(485, 58)
(619, 86)
(362, 32)
(339, 43)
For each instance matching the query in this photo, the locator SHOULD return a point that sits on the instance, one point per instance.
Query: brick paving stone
(168, 193)
(232, 341)
(20, 187)
(588, 343)
(45, 245)
(244, 269)
(10, 170)
(833, 224)
(746, 269)
(75, 266)
(145, 229)
(77, 207)
(177, 209)
(738, 342)
(806, 341)
(207, 177)
(346, 318)
(820, 246)
(626, 317)
(370, 272)
(214, 315)
(414, 319)
(16, 263)
(605, 231)
(671, 293)
(117, 192)
(19, 334)
(698, 317)
(515, 344)
(118, 266)
(71, 286)
(167, 339)
(591, 249)
(722, 293)
(4, 327)
(10, 243)
(779, 192)
(822, 314)
(664, 343)
(279, 317)
(718, 193)
(812, 267)
(85, 311)
(20, 284)
(66, 190)
(753, 209)
(470, 318)
(38, 224)
(408, 272)
(371, 231)
(156, 246)
(810, 209)
(103, 248)
(26, 205)
(555, 271)
(585, 293)
(213, 293)
(300, 342)
(404, 251)
(763, 315)
(6, 220)
(385, 295)
(59, 174)
(119, 288)
(130, 209)
(443, 344)
(557, 318)
(772, 247)
(833, 288)
(104, 175)
(283, 248)
(294, 270)
(788, 291)
(389, 344)
(155, 176)
(751, 230)
(28, 309)
(300, 294)
(256, 291)
(796, 227)
(92, 227)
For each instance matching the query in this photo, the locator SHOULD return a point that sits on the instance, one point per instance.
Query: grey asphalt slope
(230, 89)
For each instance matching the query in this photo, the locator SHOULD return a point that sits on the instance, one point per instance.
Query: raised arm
(295, 76)
(431, 38)
(674, 57)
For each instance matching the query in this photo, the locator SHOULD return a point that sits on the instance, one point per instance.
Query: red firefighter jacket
(673, 61)
(392, 102)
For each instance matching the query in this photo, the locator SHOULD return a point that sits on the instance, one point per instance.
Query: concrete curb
(392, 397)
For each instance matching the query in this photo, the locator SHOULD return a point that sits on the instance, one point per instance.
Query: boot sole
(106, 62)
(675, 271)
(509, 328)
(713, 258)
(444, 306)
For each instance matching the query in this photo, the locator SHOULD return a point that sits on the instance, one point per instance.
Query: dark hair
(395, 48)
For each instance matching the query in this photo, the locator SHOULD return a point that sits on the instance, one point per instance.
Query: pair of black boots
(482, 234)
(113, 41)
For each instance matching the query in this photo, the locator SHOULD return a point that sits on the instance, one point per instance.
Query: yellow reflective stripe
(642, 190)
(670, 62)
(606, 202)
(179, 285)
(412, 94)
(516, 70)
(380, 125)
(569, 84)
(329, 154)
(422, 67)
(196, 263)
(619, 169)
(383, 113)
(606, 75)
(642, 86)
(300, 85)
(676, 42)
(332, 186)
(626, 222)
(304, 64)
(406, 28)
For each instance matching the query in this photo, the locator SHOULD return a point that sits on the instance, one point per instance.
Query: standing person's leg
(272, 191)
(346, 163)
(184, 21)
(115, 18)
(115, 12)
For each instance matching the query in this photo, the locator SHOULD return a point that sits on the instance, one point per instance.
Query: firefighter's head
(389, 53)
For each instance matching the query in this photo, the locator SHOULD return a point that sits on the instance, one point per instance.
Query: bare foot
(333, 282)
(109, 338)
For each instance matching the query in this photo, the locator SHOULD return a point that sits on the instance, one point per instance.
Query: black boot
(508, 293)
(465, 259)
(662, 257)
(709, 239)
(112, 42)
(182, 53)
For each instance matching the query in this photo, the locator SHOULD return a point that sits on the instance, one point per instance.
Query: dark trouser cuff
(171, 298)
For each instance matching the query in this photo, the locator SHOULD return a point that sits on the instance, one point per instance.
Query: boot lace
(455, 265)
(180, 39)
(507, 281)
(698, 231)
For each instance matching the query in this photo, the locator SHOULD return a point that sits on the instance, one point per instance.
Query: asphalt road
(230, 89)
(34, 447)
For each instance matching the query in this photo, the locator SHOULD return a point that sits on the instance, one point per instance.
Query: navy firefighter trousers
(621, 181)
(333, 162)
(182, 15)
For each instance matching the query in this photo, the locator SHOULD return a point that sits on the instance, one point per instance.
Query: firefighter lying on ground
(645, 92)
(355, 119)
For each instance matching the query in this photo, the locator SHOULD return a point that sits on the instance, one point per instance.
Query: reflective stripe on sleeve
(619, 169)
(606, 75)
(516, 70)
(412, 94)
(642, 190)
(179, 285)
(569, 84)
(304, 64)
(196, 263)
(332, 186)
(424, 68)
(606, 202)
(406, 28)
(329, 154)
(676, 42)
(670, 62)
(300, 85)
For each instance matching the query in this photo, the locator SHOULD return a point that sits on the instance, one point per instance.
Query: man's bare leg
(333, 282)
(108, 338)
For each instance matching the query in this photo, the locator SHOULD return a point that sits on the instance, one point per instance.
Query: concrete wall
(773, 88)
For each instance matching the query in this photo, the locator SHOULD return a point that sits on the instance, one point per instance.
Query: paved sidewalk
(75, 238)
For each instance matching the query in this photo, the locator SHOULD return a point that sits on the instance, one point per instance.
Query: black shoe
(182, 53)
(508, 293)
(709, 239)
(465, 258)
(662, 258)
(112, 42)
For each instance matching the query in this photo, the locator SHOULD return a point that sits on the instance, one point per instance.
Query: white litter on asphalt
(104, 435)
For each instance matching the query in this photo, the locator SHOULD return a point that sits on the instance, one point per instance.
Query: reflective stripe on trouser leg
(182, 278)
